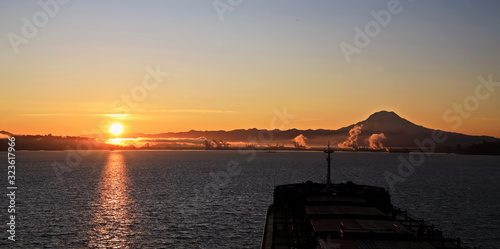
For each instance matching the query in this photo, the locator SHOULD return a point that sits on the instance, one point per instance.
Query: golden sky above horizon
(176, 66)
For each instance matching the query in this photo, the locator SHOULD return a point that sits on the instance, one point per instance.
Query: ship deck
(344, 216)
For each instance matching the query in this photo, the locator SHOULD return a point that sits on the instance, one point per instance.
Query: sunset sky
(228, 74)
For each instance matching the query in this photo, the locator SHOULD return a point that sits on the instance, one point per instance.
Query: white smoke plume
(300, 142)
(376, 141)
(352, 141)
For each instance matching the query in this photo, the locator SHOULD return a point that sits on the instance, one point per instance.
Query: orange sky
(78, 71)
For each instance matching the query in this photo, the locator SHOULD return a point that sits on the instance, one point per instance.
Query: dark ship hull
(347, 215)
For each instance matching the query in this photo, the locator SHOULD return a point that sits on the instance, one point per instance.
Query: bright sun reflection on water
(113, 218)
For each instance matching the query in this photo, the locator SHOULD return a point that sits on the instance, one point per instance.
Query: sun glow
(116, 129)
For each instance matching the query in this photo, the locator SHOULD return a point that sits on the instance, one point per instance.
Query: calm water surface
(218, 199)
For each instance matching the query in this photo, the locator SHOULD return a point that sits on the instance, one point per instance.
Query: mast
(328, 151)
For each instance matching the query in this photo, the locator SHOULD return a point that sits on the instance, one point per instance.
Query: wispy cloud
(308, 120)
(486, 119)
(202, 111)
(75, 114)
(136, 111)
(48, 114)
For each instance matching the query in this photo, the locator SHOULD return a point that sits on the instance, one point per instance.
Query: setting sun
(116, 129)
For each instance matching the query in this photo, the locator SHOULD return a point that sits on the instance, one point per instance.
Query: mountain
(398, 132)
(390, 122)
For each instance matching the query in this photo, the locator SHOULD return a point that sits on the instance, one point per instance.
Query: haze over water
(167, 199)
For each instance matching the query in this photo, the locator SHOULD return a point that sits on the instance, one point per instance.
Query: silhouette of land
(381, 131)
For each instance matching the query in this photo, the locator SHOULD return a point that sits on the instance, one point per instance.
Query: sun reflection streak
(113, 218)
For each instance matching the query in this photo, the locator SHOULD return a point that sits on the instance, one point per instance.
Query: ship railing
(425, 232)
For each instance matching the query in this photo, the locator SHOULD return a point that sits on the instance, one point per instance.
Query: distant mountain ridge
(398, 131)
(379, 131)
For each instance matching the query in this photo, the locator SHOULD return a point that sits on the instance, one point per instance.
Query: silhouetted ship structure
(344, 216)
